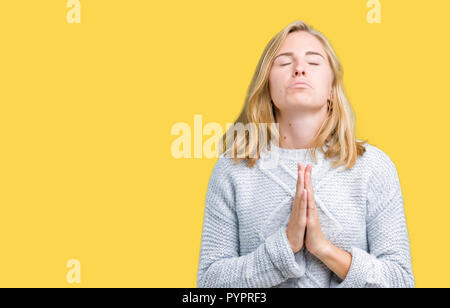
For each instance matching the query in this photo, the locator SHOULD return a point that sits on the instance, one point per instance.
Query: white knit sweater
(361, 210)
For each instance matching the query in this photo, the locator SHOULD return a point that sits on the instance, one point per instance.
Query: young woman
(306, 221)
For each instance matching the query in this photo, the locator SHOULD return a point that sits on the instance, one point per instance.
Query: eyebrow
(291, 54)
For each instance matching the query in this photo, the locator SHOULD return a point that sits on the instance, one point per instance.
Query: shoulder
(383, 179)
(378, 162)
(378, 169)
(226, 167)
(222, 186)
(383, 185)
(226, 172)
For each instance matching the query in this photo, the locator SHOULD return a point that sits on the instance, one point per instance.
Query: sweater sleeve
(388, 262)
(220, 264)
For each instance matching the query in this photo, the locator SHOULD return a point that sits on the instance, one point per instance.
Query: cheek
(323, 81)
(276, 83)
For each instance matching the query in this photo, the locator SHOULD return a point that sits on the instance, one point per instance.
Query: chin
(301, 102)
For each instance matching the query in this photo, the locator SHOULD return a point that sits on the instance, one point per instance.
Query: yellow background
(86, 112)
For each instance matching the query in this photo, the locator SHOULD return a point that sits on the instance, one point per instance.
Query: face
(306, 56)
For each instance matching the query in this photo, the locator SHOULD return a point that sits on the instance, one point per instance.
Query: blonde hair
(336, 132)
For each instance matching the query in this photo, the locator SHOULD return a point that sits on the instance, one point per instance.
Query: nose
(299, 68)
(299, 71)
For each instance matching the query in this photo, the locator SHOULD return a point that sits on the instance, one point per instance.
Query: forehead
(301, 41)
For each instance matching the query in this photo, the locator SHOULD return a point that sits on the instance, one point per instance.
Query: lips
(300, 84)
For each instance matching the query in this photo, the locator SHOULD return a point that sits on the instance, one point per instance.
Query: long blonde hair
(336, 132)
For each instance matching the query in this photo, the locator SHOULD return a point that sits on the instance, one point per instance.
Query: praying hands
(304, 227)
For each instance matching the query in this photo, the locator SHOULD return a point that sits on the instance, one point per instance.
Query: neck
(298, 130)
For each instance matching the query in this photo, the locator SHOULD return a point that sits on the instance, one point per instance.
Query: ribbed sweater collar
(302, 155)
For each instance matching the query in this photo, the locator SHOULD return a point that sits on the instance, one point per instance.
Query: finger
(312, 208)
(300, 180)
(308, 184)
(298, 195)
(302, 211)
